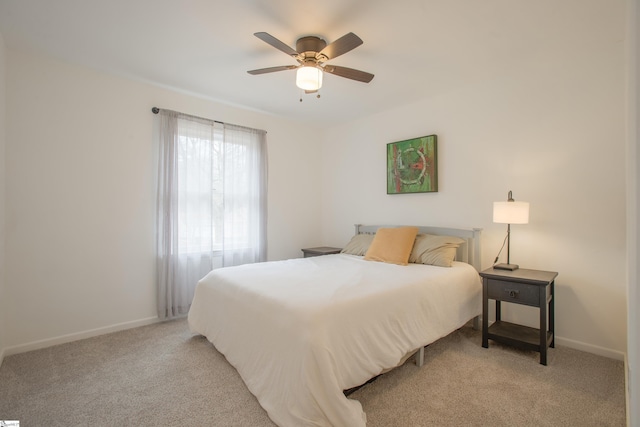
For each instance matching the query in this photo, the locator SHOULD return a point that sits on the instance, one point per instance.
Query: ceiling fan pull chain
(304, 92)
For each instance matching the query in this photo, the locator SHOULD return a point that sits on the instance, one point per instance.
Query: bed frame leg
(420, 357)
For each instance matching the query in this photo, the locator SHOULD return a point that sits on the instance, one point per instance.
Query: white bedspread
(301, 331)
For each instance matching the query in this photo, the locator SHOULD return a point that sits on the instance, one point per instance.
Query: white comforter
(301, 331)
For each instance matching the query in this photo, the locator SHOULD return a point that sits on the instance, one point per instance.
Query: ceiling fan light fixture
(309, 78)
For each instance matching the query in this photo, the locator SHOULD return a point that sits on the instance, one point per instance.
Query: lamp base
(509, 267)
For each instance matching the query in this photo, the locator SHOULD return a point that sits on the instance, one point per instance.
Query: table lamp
(509, 212)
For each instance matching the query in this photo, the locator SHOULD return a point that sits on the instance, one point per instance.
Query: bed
(301, 331)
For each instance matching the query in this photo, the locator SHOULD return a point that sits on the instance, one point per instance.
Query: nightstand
(534, 288)
(321, 250)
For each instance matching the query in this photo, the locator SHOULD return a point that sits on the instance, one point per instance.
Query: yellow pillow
(392, 245)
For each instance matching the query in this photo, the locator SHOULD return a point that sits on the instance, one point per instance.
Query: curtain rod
(156, 110)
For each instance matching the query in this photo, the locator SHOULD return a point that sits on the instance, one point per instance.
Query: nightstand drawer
(519, 293)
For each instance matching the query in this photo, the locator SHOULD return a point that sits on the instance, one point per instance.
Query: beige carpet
(163, 375)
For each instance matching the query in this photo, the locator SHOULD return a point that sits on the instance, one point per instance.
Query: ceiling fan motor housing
(309, 46)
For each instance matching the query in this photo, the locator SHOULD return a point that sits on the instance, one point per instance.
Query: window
(211, 203)
(200, 202)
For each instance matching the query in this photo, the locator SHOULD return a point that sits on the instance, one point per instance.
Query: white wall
(633, 218)
(552, 129)
(79, 193)
(3, 323)
(79, 197)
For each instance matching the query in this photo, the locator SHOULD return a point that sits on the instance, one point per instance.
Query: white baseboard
(578, 345)
(36, 345)
(627, 390)
(590, 348)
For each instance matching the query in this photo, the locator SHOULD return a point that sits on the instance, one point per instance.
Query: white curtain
(212, 203)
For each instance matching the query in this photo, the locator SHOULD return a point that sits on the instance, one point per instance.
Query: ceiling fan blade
(272, 69)
(349, 73)
(343, 45)
(269, 39)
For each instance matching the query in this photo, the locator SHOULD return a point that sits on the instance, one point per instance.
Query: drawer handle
(512, 293)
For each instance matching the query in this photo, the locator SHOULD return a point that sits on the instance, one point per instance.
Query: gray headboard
(468, 252)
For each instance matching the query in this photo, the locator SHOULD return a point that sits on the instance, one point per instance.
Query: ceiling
(415, 48)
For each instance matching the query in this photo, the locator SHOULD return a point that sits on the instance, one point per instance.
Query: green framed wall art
(412, 165)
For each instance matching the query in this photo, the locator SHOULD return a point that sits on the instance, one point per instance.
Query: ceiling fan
(311, 53)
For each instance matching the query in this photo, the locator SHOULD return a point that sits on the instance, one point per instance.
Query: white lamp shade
(511, 212)
(309, 78)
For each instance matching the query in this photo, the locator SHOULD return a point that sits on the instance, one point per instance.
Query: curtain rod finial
(155, 110)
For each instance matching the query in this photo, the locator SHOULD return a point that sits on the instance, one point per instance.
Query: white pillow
(358, 245)
(431, 249)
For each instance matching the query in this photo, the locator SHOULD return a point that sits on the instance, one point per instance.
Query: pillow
(358, 244)
(392, 245)
(435, 250)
